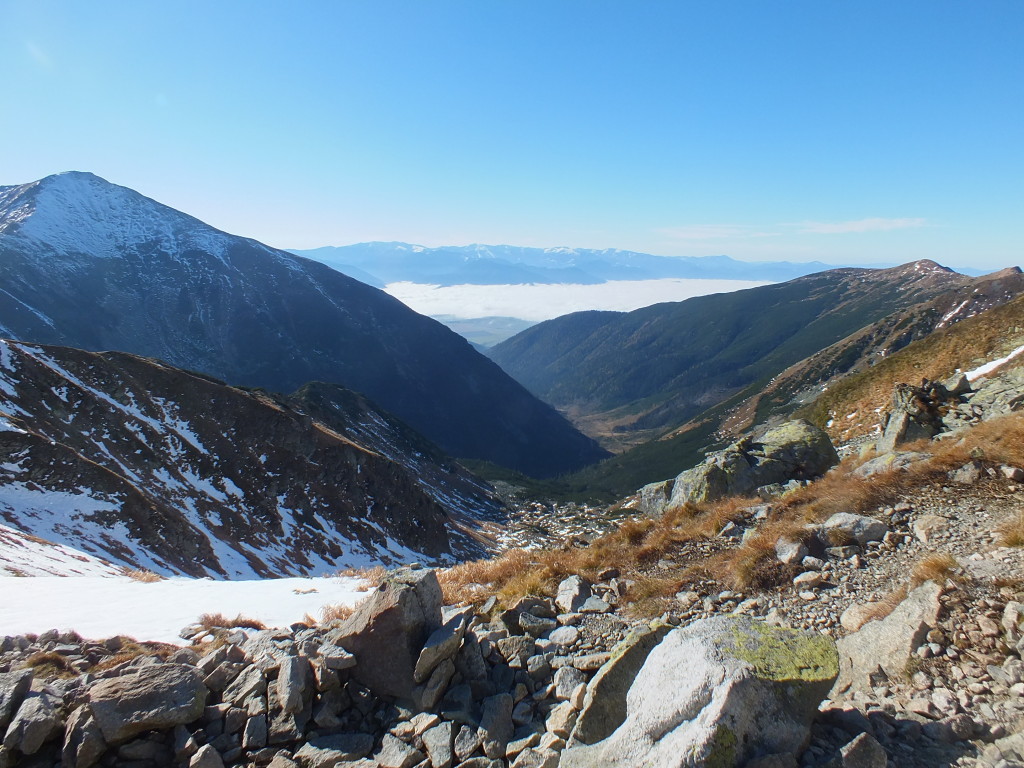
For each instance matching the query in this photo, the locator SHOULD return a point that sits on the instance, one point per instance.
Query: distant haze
(543, 302)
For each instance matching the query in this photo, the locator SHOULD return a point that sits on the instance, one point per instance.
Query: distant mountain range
(149, 466)
(88, 264)
(382, 263)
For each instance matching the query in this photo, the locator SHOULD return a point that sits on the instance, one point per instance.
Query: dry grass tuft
(220, 621)
(938, 567)
(47, 665)
(1011, 532)
(372, 577)
(879, 610)
(131, 649)
(331, 613)
(140, 574)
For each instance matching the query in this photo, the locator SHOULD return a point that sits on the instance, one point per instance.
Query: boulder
(573, 592)
(881, 649)
(388, 630)
(913, 416)
(654, 498)
(328, 751)
(789, 551)
(156, 697)
(845, 528)
(604, 708)
(796, 450)
(442, 644)
(892, 461)
(36, 722)
(724, 691)
(84, 744)
(13, 688)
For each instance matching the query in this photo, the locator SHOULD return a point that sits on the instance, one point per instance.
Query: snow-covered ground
(103, 606)
(990, 366)
(543, 302)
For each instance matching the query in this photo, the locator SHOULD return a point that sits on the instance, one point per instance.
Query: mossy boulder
(720, 692)
(796, 450)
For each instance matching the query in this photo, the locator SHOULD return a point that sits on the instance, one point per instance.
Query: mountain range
(381, 263)
(88, 264)
(153, 467)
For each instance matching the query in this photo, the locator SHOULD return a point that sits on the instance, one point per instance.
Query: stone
(329, 751)
(496, 724)
(442, 644)
(516, 649)
(155, 697)
(395, 753)
(926, 526)
(573, 592)
(566, 680)
(796, 450)
(604, 706)
(789, 551)
(595, 605)
(291, 683)
(1016, 474)
(427, 695)
(968, 474)
(336, 658)
(561, 720)
(845, 527)
(388, 630)
(248, 683)
(808, 580)
(564, 636)
(653, 499)
(467, 741)
(857, 615)
(438, 742)
(254, 735)
(84, 744)
(13, 688)
(536, 758)
(863, 752)
(36, 722)
(719, 692)
(206, 757)
(886, 645)
(536, 626)
(892, 461)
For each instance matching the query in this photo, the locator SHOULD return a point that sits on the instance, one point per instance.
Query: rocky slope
(88, 264)
(153, 467)
(627, 377)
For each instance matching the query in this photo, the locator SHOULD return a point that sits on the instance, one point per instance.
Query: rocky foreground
(408, 682)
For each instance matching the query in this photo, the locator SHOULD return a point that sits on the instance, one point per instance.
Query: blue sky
(848, 132)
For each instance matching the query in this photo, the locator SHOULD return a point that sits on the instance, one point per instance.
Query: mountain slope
(381, 263)
(151, 466)
(88, 264)
(628, 377)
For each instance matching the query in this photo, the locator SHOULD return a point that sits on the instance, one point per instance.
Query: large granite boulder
(880, 650)
(151, 698)
(796, 450)
(723, 692)
(389, 629)
(914, 415)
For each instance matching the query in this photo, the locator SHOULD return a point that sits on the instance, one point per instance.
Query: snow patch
(990, 366)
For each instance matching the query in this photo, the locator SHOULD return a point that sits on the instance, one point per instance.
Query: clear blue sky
(868, 131)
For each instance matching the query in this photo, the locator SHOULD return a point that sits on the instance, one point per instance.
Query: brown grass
(47, 664)
(130, 649)
(140, 574)
(220, 621)
(373, 577)
(1011, 532)
(879, 610)
(937, 566)
(331, 613)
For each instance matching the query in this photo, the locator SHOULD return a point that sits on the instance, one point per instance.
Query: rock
(594, 605)
(566, 680)
(796, 450)
(328, 751)
(886, 645)
(564, 636)
(36, 722)
(389, 628)
(561, 720)
(654, 498)
(719, 692)
(427, 695)
(573, 592)
(604, 708)
(438, 741)
(254, 736)
(857, 615)
(155, 697)
(890, 462)
(292, 679)
(863, 752)
(1016, 474)
(536, 758)
(789, 551)
(913, 416)
(395, 753)
(926, 526)
(496, 725)
(84, 744)
(442, 644)
(808, 580)
(968, 474)
(249, 681)
(206, 757)
(467, 741)
(844, 528)
(13, 688)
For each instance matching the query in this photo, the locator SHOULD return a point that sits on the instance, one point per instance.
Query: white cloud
(860, 225)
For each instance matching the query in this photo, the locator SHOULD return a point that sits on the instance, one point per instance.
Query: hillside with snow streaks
(88, 264)
(147, 466)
